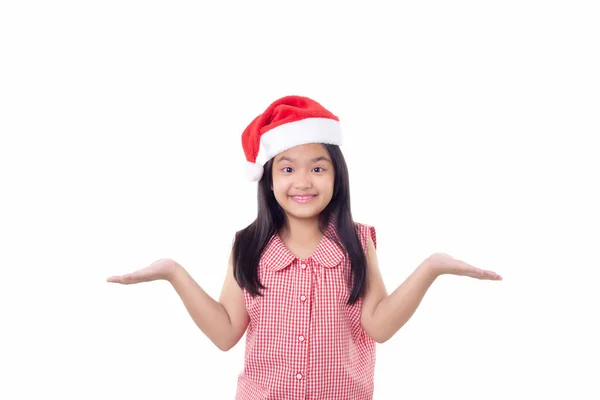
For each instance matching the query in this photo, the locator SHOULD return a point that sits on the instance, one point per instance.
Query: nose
(303, 180)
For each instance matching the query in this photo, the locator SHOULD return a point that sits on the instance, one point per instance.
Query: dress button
(301, 338)
(303, 266)
(302, 298)
(299, 376)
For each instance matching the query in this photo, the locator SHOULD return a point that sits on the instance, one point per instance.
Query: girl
(303, 279)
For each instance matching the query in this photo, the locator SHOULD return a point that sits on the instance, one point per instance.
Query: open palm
(160, 269)
(442, 263)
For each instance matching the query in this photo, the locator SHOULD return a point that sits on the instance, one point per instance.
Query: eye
(321, 169)
(286, 169)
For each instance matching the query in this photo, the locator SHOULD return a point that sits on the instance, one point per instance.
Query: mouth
(303, 198)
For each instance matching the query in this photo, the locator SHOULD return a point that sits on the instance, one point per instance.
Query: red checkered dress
(303, 341)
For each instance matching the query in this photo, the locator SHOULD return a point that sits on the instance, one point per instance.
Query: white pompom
(253, 171)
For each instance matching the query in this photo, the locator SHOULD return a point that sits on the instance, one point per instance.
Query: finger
(122, 279)
(484, 274)
(474, 272)
(494, 276)
(491, 275)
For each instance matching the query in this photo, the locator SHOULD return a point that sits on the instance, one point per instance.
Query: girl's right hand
(162, 269)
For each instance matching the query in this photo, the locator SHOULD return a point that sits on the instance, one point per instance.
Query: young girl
(303, 279)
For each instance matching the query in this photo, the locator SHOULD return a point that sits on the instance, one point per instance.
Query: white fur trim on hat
(292, 134)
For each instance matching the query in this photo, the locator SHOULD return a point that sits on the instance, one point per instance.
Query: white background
(471, 128)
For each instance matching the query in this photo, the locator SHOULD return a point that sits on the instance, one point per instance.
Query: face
(303, 178)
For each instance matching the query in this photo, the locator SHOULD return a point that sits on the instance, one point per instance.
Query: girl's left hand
(442, 263)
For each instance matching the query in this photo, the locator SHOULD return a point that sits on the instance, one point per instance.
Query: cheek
(328, 195)
(280, 187)
(326, 186)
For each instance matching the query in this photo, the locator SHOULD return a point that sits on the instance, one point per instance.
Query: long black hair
(252, 240)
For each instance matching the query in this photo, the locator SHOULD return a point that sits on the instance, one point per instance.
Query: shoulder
(367, 233)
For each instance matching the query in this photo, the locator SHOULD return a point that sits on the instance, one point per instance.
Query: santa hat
(288, 122)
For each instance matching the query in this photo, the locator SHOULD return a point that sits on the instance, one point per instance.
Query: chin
(308, 213)
(303, 215)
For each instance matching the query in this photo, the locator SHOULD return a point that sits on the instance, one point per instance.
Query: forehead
(305, 151)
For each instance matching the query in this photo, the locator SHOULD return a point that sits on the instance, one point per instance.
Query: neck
(301, 230)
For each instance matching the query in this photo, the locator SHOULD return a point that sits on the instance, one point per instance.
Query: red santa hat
(288, 122)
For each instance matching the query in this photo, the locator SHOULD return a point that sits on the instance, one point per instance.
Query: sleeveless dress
(303, 341)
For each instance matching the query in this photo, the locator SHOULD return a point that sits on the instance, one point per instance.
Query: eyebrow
(320, 158)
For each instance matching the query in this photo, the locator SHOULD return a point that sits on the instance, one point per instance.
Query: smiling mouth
(303, 199)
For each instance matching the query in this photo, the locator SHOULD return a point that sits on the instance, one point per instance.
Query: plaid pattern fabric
(303, 341)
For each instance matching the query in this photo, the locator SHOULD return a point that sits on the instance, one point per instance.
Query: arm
(382, 315)
(223, 322)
